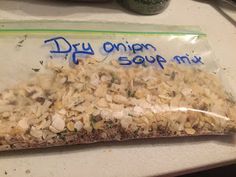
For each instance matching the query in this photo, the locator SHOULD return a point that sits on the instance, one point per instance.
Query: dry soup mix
(76, 86)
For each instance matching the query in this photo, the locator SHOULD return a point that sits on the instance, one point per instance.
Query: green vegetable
(130, 93)
(147, 7)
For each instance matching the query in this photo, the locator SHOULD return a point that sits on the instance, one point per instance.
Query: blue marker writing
(110, 47)
(74, 49)
(138, 60)
(185, 59)
(161, 60)
(181, 59)
(197, 60)
(85, 50)
(59, 41)
(124, 61)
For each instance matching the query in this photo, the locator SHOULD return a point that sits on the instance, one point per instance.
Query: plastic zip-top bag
(79, 82)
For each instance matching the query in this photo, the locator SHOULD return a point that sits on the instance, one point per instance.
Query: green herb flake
(130, 93)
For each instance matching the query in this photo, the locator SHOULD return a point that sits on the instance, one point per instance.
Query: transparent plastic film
(78, 82)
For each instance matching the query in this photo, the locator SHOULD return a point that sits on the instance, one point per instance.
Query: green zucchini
(147, 7)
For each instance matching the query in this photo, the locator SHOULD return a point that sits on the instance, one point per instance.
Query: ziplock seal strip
(97, 31)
